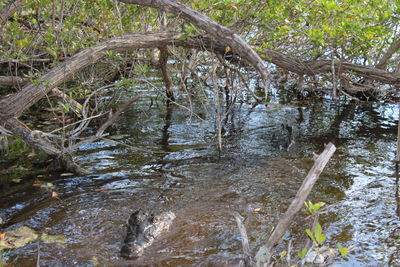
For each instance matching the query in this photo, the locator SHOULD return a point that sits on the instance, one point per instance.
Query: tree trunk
(219, 32)
(16, 104)
(9, 10)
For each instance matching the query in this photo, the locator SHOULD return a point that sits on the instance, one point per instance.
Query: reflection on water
(256, 175)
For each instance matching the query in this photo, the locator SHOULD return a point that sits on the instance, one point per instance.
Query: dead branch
(13, 81)
(394, 47)
(100, 132)
(265, 252)
(18, 103)
(248, 261)
(219, 32)
(162, 62)
(37, 139)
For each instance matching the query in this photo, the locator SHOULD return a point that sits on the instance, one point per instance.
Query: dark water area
(256, 175)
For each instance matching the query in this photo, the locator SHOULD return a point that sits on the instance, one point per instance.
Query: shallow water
(255, 175)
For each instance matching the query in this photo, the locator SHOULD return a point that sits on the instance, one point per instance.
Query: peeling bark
(9, 10)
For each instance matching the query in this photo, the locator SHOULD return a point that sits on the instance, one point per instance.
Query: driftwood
(264, 253)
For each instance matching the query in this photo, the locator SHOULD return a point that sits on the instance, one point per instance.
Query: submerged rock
(143, 229)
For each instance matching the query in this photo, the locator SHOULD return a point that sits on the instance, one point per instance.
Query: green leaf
(282, 254)
(343, 250)
(310, 234)
(318, 229)
(302, 253)
(319, 236)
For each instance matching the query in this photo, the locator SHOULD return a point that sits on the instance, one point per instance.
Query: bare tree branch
(219, 32)
(19, 102)
(9, 10)
(264, 253)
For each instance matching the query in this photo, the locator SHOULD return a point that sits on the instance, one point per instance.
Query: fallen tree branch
(100, 132)
(301, 68)
(219, 32)
(37, 139)
(9, 10)
(265, 252)
(18, 103)
(13, 81)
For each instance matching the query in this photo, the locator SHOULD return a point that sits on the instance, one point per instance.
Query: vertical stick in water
(398, 139)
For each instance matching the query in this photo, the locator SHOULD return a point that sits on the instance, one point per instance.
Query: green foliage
(309, 29)
(302, 253)
(343, 250)
(311, 208)
(318, 237)
(282, 254)
(65, 106)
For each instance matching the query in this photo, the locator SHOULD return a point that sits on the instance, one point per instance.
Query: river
(256, 174)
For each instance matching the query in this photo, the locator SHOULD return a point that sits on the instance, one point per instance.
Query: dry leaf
(54, 194)
(16, 180)
(49, 239)
(2, 236)
(18, 238)
(257, 209)
(66, 174)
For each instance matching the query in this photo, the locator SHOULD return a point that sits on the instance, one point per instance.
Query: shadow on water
(267, 153)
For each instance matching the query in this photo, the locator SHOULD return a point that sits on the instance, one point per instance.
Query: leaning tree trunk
(15, 105)
(219, 32)
(10, 9)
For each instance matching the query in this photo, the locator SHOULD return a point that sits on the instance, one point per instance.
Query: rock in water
(143, 229)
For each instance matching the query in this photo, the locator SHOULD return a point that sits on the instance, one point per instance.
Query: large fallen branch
(264, 253)
(18, 103)
(219, 32)
(9, 10)
(311, 68)
(18, 82)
